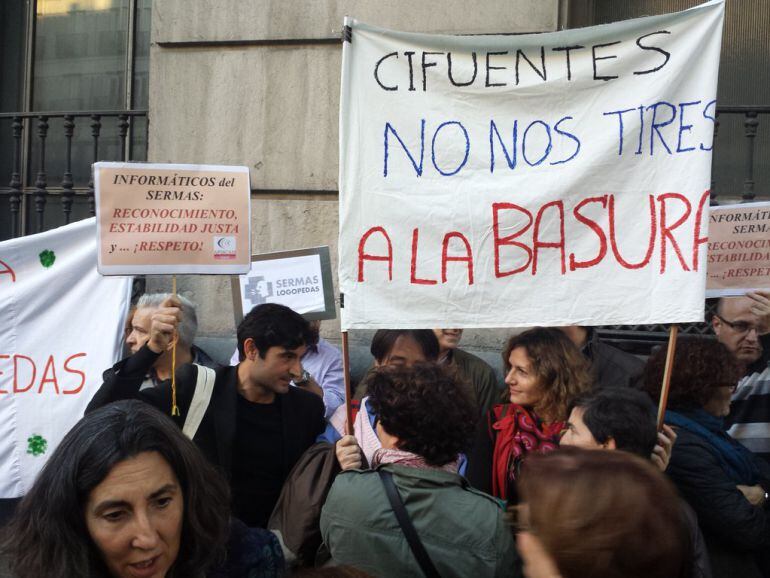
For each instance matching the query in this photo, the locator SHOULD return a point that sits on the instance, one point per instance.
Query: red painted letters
(363, 256)
(518, 238)
(25, 373)
(468, 258)
(509, 239)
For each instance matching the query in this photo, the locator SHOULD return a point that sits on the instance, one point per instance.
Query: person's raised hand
(348, 453)
(163, 325)
(754, 494)
(761, 308)
(661, 453)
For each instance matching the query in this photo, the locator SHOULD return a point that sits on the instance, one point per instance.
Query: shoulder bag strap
(412, 538)
(204, 387)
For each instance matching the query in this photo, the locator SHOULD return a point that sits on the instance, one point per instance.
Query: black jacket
(736, 533)
(610, 366)
(302, 411)
(701, 567)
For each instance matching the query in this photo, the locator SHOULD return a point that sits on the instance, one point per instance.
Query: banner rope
(174, 408)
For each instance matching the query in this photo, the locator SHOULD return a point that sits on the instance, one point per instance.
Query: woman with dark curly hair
(425, 421)
(724, 482)
(390, 347)
(125, 494)
(544, 372)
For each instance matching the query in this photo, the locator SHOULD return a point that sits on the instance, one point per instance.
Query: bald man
(738, 324)
(742, 325)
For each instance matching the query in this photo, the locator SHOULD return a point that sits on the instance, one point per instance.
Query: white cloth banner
(544, 179)
(61, 326)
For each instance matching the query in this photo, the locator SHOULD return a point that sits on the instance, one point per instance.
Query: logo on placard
(258, 289)
(297, 285)
(224, 247)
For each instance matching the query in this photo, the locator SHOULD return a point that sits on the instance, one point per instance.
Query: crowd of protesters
(252, 469)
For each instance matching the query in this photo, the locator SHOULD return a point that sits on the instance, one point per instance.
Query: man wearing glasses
(742, 324)
(739, 322)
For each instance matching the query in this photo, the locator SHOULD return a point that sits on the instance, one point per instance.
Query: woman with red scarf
(544, 372)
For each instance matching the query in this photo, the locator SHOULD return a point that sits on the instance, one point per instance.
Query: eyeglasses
(738, 326)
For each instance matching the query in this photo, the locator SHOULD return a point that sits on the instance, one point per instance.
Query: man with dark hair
(253, 425)
(626, 419)
(615, 419)
(321, 370)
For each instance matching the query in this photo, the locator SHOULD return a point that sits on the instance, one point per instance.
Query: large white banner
(61, 326)
(544, 179)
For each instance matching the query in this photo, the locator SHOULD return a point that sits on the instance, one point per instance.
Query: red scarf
(518, 432)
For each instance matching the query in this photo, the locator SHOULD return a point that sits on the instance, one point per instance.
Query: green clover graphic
(47, 258)
(37, 445)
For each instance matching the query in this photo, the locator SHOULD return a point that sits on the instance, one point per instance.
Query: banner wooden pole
(672, 334)
(348, 387)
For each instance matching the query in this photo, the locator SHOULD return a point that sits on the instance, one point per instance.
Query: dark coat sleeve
(303, 422)
(764, 475)
(124, 380)
(701, 563)
(320, 422)
(314, 410)
(479, 472)
(721, 508)
(613, 367)
(488, 391)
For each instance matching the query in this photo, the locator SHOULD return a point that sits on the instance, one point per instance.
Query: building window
(76, 56)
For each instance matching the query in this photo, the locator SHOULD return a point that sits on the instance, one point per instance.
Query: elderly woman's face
(522, 381)
(134, 516)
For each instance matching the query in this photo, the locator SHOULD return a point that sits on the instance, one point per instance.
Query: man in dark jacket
(255, 426)
(625, 419)
(611, 367)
